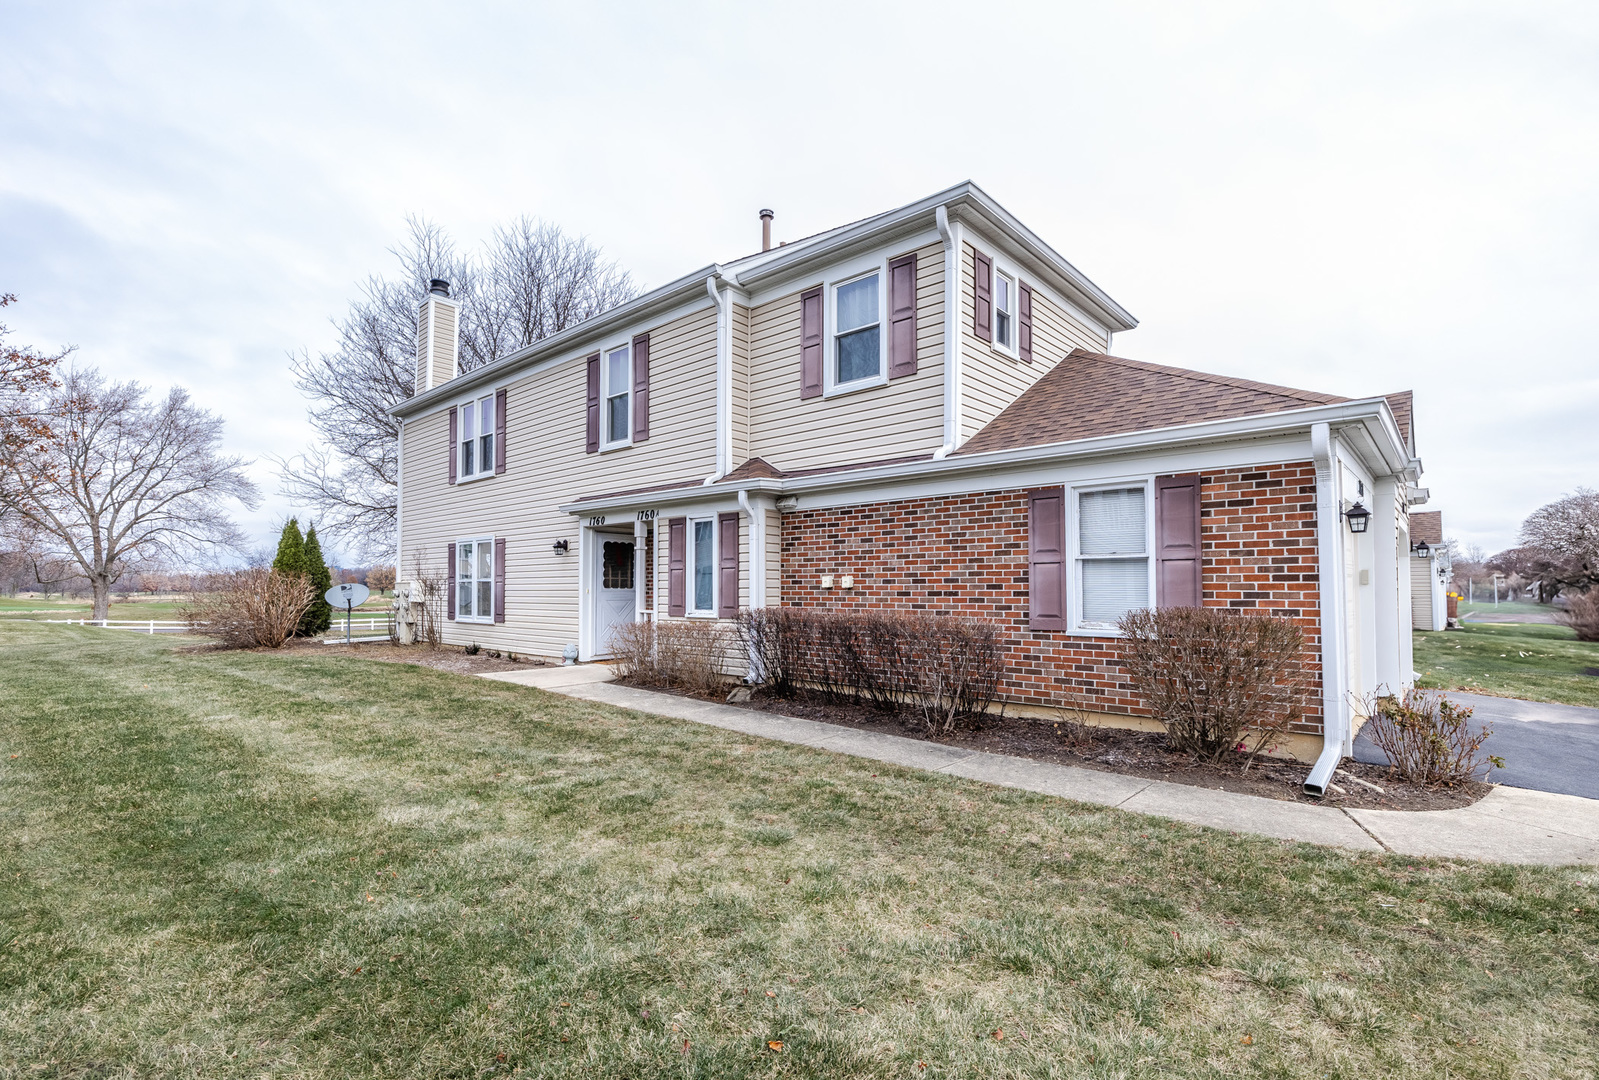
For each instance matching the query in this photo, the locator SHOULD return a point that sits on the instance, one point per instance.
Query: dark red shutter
(727, 566)
(455, 449)
(1024, 323)
(902, 316)
(1178, 561)
(449, 583)
(811, 343)
(593, 444)
(676, 566)
(1046, 559)
(499, 579)
(983, 301)
(641, 388)
(499, 431)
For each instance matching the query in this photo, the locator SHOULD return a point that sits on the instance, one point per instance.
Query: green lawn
(1537, 662)
(1507, 607)
(164, 609)
(244, 864)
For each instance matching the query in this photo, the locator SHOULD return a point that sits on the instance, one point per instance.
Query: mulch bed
(1131, 753)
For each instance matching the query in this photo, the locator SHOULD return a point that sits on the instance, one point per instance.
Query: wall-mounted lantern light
(562, 547)
(1422, 550)
(1358, 517)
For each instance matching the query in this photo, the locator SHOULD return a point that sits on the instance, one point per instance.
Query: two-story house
(916, 410)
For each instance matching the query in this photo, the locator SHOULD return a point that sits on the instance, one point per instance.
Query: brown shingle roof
(1403, 405)
(1090, 394)
(755, 468)
(1427, 525)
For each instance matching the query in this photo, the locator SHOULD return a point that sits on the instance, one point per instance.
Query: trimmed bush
(1218, 680)
(1427, 738)
(688, 655)
(945, 669)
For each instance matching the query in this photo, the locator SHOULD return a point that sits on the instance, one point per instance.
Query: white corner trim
(757, 566)
(1330, 571)
(724, 378)
(949, 233)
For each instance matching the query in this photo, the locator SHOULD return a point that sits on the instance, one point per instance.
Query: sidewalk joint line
(1362, 828)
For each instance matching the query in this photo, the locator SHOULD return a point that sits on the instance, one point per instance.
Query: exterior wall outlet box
(1365, 578)
(827, 581)
(846, 582)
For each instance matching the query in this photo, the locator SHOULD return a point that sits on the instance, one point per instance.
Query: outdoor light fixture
(562, 547)
(1357, 516)
(1422, 550)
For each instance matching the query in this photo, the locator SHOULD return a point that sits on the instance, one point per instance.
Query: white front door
(615, 602)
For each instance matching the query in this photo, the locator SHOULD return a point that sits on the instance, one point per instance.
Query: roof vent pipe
(766, 230)
(439, 287)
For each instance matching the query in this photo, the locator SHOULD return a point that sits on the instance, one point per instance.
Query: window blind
(1112, 522)
(1112, 525)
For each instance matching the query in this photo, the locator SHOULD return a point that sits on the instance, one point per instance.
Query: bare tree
(1567, 528)
(120, 481)
(25, 375)
(530, 280)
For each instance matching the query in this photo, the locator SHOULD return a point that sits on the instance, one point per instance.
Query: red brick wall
(967, 555)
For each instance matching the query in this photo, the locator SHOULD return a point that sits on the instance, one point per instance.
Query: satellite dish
(347, 596)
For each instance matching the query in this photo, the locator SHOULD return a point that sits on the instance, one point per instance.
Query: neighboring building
(917, 410)
(1429, 572)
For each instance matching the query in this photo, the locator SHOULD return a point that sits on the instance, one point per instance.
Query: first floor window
(477, 436)
(857, 335)
(618, 395)
(704, 562)
(1004, 308)
(474, 580)
(1112, 554)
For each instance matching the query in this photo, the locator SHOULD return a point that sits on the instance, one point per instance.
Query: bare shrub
(1582, 614)
(1216, 679)
(947, 669)
(1427, 739)
(252, 608)
(433, 599)
(685, 655)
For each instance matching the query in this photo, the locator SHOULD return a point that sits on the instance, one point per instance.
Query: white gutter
(399, 493)
(1329, 569)
(724, 378)
(950, 234)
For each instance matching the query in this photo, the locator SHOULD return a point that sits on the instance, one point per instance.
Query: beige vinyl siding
(902, 418)
(546, 467)
(1421, 594)
(774, 558)
(992, 379)
(741, 383)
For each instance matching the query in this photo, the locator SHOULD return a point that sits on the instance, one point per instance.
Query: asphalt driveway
(1545, 747)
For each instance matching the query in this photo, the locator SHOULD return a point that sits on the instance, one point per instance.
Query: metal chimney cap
(439, 287)
(767, 214)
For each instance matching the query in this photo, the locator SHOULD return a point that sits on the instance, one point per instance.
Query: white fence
(138, 626)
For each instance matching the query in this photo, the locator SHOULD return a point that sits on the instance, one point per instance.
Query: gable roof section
(1403, 406)
(1091, 394)
(1428, 526)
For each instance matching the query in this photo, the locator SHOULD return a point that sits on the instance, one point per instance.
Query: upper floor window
(857, 330)
(1004, 311)
(616, 393)
(1112, 554)
(477, 437)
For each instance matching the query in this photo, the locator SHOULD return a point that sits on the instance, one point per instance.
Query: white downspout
(755, 675)
(724, 380)
(1330, 575)
(641, 538)
(949, 233)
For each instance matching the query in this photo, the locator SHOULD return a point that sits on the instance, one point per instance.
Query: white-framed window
(474, 581)
(857, 331)
(1004, 311)
(616, 396)
(1111, 542)
(476, 433)
(702, 566)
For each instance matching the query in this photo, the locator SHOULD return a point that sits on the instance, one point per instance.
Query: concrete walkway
(1510, 825)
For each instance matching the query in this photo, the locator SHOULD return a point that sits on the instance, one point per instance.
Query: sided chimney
(766, 230)
(438, 337)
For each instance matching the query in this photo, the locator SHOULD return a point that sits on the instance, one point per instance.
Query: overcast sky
(1352, 198)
